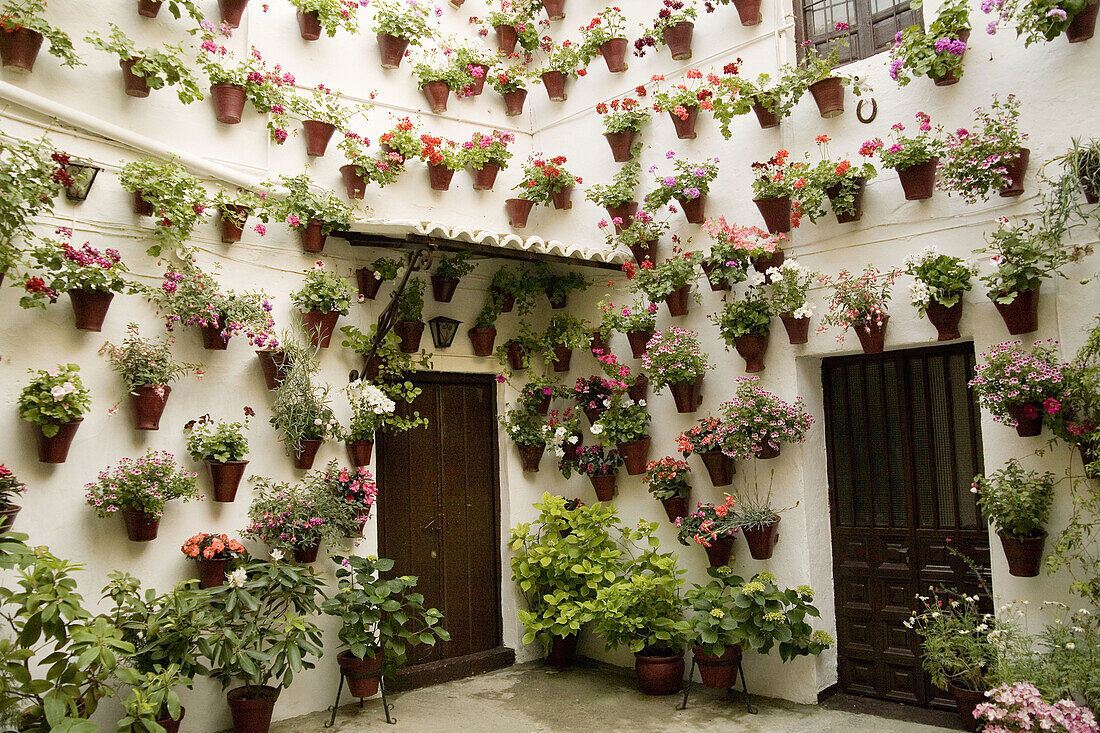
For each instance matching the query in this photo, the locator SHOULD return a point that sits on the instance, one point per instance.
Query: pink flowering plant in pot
(1013, 382)
(353, 487)
(288, 517)
(740, 243)
(331, 15)
(1019, 707)
(146, 364)
(640, 235)
(27, 16)
(55, 266)
(757, 421)
(639, 316)
(1035, 20)
(483, 149)
(302, 206)
(54, 397)
(976, 162)
(689, 182)
(658, 281)
(671, 14)
(859, 302)
(709, 523)
(937, 52)
(141, 486)
(674, 356)
(517, 16)
(595, 392)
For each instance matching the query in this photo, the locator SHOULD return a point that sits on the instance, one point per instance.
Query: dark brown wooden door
(439, 519)
(903, 446)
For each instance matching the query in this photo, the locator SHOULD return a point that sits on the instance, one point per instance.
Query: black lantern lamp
(443, 331)
(83, 175)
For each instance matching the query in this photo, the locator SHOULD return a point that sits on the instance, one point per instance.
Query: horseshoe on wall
(874, 111)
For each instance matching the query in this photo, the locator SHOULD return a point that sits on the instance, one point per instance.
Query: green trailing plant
(751, 315)
(735, 95)
(558, 285)
(286, 517)
(159, 67)
(219, 441)
(454, 267)
(18, 14)
(402, 19)
(938, 278)
(54, 396)
(54, 267)
(624, 421)
(144, 362)
(301, 409)
(436, 66)
(658, 281)
(394, 366)
(32, 173)
(370, 407)
(1017, 501)
(623, 186)
(323, 290)
(934, 53)
(178, 200)
(302, 206)
(565, 329)
(332, 14)
(411, 305)
(324, 105)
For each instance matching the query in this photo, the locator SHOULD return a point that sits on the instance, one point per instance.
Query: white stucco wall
(1054, 82)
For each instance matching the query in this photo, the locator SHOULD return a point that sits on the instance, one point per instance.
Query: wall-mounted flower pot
(694, 209)
(213, 339)
(554, 81)
(135, 84)
(274, 365)
(752, 347)
(90, 308)
(486, 176)
(140, 527)
(211, 572)
(624, 212)
(720, 467)
(620, 143)
(313, 237)
(1022, 314)
(640, 389)
(678, 39)
(140, 206)
(593, 413)
(829, 95)
(659, 675)
(225, 479)
(368, 282)
(950, 77)
(19, 49)
(306, 453)
(919, 181)
(437, 93)
(555, 10)
(767, 118)
(572, 450)
(228, 103)
(597, 343)
(798, 329)
(362, 674)
(543, 406)
(359, 452)
(562, 356)
(149, 8)
(604, 486)
(635, 455)
(1028, 417)
(439, 176)
(483, 340)
(1014, 179)
(513, 102)
(148, 403)
(231, 220)
(685, 126)
(518, 212)
(320, 325)
(391, 49)
(718, 673)
(517, 355)
(506, 39)
(763, 263)
(1024, 555)
(530, 456)
(232, 11)
(872, 336)
(762, 540)
(614, 54)
(443, 288)
(687, 395)
(309, 25)
(748, 11)
(409, 333)
(1091, 196)
(563, 652)
(767, 450)
(638, 341)
(355, 182)
(776, 213)
(475, 89)
(718, 554)
(252, 707)
(563, 199)
(507, 300)
(306, 554)
(644, 251)
(1083, 25)
(7, 516)
(678, 300)
(675, 507)
(55, 449)
(856, 213)
(317, 134)
(946, 320)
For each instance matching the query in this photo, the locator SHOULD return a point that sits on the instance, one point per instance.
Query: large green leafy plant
(53, 397)
(17, 14)
(178, 199)
(158, 67)
(31, 176)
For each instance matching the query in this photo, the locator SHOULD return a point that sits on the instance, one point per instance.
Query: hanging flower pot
(614, 54)
(518, 212)
(7, 517)
(228, 103)
(762, 539)
(368, 282)
(506, 39)
(1024, 555)
(572, 450)
(798, 329)
(391, 49)
(685, 126)
(678, 300)
(675, 507)
(563, 199)
(1029, 419)
(359, 452)
(371, 367)
(563, 652)
(317, 136)
(211, 572)
(410, 333)
(950, 77)
(720, 467)
(1083, 25)
(765, 116)
(1091, 196)
(604, 486)
(597, 343)
(439, 176)
(621, 143)
(638, 341)
(562, 356)
(659, 675)
(436, 92)
(19, 49)
(483, 340)
(857, 203)
(306, 453)
(140, 527)
(320, 325)
(232, 218)
(212, 337)
(306, 554)
(225, 478)
(946, 320)
(232, 11)
(309, 25)
(829, 95)
(555, 10)
(644, 251)
(719, 551)
(748, 11)
(252, 707)
(275, 365)
(1014, 179)
(763, 263)
(776, 212)
(624, 212)
(688, 395)
(149, 8)
(530, 456)
(966, 701)
(872, 337)
(475, 89)
(148, 402)
(362, 674)
(767, 450)
(640, 389)
(543, 405)
(554, 81)
(90, 308)
(140, 206)
(752, 347)
(443, 288)
(313, 236)
(1022, 314)
(678, 39)
(635, 455)
(919, 181)
(486, 176)
(718, 673)
(506, 300)
(517, 355)
(593, 413)
(355, 182)
(694, 208)
(719, 285)
(135, 84)
(513, 102)
(55, 449)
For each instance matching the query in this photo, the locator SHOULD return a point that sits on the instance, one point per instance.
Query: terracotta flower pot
(211, 572)
(659, 675)
(752, 347)
(1022, 314)
(483, 340)
(55, 449)
(563, 199)
(306, 453)
(530, 456)
(19, 49)
(507, 38)
(688, 395)
(625, 212)
(563, 652)
(443, 288)
(554, 81)
(232, 218)
(555, 10)
(678, 300)
(562, 356)
(597, 343)
(309, 25)
(572, 450)
(140, 527)
(678, 39)
(638, 341)
(593, 413)
(439, 177)
(1014, 180)
(614, 54)
(368, 282)
(437, 93)
(313, 237)
(763, 263)
(620, 143)
(857, 202)
(966, 700)
(748, 11)
(518, 212)
(768, 452)
(1083, 25)
(149, 8)
(507, 300)
(475, 89)
(829, 95)
(767, 118)
(134, 84)
(946, 320)
(90, 308)
(718, 554)
(644, 251)
(212, 338)
(685, 126)
(517, 355)
(776, 213)
(252, 707)
(486, 176)
(228, 103)
(7, 517)
(306, 554)
(362, 674)
(359, 452)
(1091, 196)
(410, 333)
(1029, 419)
(513, 102)
(1024, 555)
(919, 181)
(274, 365)
(718, 673)
(543, 405)
(604, 486)
(148, 403)
(355, 181)
(798, 329)
(320, 325)
(694, 209)
(640, 389)
(317, 135)
(225, 478)
(873, 337)
(140, 206)
(762, 540)
(950, 77)
(635, 455)
(391, 49)
(720, 467)
(232, 11)
(675, 507)
(718, 282)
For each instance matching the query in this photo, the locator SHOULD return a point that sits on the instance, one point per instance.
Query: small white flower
(641, 403)
(237, 578)
(1071, 646)
(318, 422)
(277, 556)
(596, 429)
(573, 439)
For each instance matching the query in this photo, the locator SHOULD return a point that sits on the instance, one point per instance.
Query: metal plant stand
(386, 707)
(740, 673)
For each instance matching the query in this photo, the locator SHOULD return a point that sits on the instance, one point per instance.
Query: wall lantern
(443, 331)
(83, 174)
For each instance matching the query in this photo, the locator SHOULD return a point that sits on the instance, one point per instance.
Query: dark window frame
(861, 32)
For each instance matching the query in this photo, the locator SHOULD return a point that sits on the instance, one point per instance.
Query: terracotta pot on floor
(614, 54)
(720, 467)
(620, 143)
(798, 329)
(919, 181)
(604, 486)
(718, 673)
(90, 308)
(966, 700)
(317, 136)
(148, 403)
(362, 674)
(225, 479)
(563, 652)
(55, 449)
(1022, 314)
(252, 708)
(391, 49)
(635, 455)
(229, 102)
(761, 540)
(945, 319)
(659, 675)
(135, 84)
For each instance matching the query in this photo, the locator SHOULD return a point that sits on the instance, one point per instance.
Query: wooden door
(439, 519)
(903, 443)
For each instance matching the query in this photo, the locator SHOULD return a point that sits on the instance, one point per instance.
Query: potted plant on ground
(674, 357)
(706, 438)
(745, 324)
(486, 155)
(222, 446)
(147, 369)
(859, 302)
(151, 68)
(936, 53)
(322, 114)
(212, 553)
(21, 34)
(1018, 385)
(525, 427)
(313, 215)
(601, 466)
(788, 296)
(55, 402)
(618, 196)
(989, 158)
(167, 192)
(448, 271)
(684, 101)
(563, 61)
(689, 186)
(370, 407)
(842, 182)
(398, 25)
(758, 422)
(1020, 707)
(625, 424)
(10, 487)
(564, 333)
(819, 75)
(138, 488)
(329, 16)
(776, 182)
(443, 157)
(938, 286)
(297, 519)
(915, 158)
(667, 480)
(673, 27)
(623, 119)
(511, 83)
(605, 35)
(322, 299)
(1018, 502)
(408, 317)
(712, 526)
(437, 74)
(301, 413)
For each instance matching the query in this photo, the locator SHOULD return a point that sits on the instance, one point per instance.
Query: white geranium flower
(57, 392)
(641, 403)
(804, 311)
(596, 429)
(755, 278)
(237, 578)
(573, 439)
(277, 556)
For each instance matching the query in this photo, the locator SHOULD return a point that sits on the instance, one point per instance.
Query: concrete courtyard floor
(530, 697)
